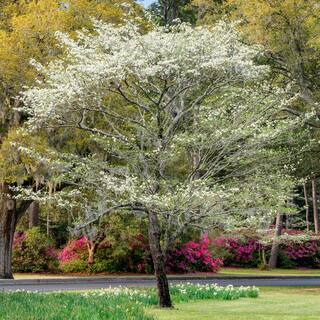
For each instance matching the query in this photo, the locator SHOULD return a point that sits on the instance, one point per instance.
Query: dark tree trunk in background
(33, 214)
(158, 260)
(175, 10)
(315, 205)
(170, 10)
(7, 228)
(165, 11)
(8, 222)
(275, 245)
(48, 224)
(306, 205)
(9, 217)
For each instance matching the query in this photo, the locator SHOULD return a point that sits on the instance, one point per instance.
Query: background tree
(167, 11)
(209, 11)
(27, 30)
(289, 33)
(289, 30)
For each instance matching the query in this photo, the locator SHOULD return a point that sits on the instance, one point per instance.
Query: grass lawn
(273, 304)
(107, 304)
(274, 272)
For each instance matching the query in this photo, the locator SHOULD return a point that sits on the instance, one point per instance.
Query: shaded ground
(273, 304)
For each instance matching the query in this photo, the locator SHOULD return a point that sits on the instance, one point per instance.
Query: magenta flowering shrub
(33, 251)
(73, 257)
(306, 254)
(244, 251)
(240, 250)
(193, 256)
(135, 256)
(75, 249)
(296, 251)
(18, 239)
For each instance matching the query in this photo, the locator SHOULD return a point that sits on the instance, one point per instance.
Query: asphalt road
(83, 284)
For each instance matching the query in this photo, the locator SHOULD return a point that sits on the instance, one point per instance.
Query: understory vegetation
(35, 252)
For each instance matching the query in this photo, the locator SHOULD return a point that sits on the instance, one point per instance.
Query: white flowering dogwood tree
(180, 114)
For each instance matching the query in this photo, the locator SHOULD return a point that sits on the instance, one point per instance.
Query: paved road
(85, 284)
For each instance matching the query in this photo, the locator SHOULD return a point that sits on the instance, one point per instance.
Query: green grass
(274, 272)
(71, 306)
(272, 304)
(113, 304)
(191, 302)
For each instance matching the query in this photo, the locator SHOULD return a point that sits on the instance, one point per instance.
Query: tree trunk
(165, 11)
(275, 245)
(92, 248)
(174, 10)
(288, 222)
(8, 222)
(315, 205)
(263, 258)
(7, 228)
(158, 261)
(33, 214)
(48, 223)
(306, 205)
(9, 217)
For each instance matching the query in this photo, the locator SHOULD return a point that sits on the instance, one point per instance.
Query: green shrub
(75, 266)
(284, 261)
(33, 251)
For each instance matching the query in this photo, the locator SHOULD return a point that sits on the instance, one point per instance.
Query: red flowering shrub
(33, 251)
(193, 256)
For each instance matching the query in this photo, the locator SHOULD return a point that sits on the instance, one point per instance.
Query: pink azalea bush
(35, 252)
(75, 249)
(244, 250)
(296, 251)
(241, 250)
(300, 251)
(193, 256)
(130, 256)
(135, 256)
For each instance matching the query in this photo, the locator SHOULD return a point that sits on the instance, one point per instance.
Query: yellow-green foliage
(272, 23)
(24, 156)
(27, 30)
(276, 23)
